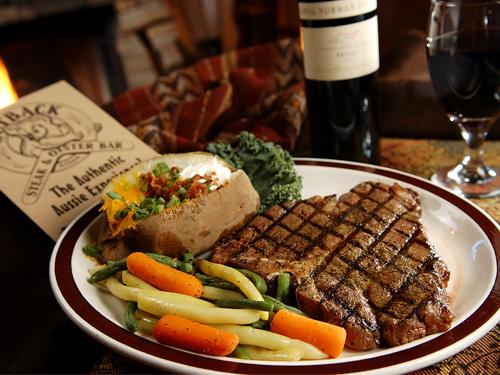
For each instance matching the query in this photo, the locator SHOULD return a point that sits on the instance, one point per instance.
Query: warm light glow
(7, 93)
(301, 40)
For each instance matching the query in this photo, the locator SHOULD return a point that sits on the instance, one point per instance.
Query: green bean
(216, 282)
(288, 354)
(212, 293)
(172, 262)
(147, 324)
(112, 268)
(186, 267)
(240, 352)
(256, 279)
(165, 259)
(129, 316)
(260, 324)
(278, 305)
(188, 257)
(283, 288)
(244, 304)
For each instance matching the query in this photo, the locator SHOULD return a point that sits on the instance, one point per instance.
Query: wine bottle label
(336, 53)
(329, 10)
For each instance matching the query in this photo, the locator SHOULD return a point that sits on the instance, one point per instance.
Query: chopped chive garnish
(140, 213)
(114, 195)
(163, 167)
(147, 202)
(182, 192)
(120, 214)
(173, 202)
(143, 186)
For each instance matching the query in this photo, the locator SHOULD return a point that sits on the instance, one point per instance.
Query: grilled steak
(363, 262)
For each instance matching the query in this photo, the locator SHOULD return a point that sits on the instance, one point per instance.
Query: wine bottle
(341, 58)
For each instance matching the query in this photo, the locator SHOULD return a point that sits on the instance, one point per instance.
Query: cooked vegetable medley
(215, 309)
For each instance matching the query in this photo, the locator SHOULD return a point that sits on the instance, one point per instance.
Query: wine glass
(463, 53)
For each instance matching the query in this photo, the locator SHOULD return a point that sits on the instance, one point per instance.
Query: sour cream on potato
(222, 173)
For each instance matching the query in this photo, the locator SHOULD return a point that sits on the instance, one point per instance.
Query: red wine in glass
(465, 71)
(463, 53)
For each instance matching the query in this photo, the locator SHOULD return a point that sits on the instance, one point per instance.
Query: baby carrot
(186, 334)
(162, 276)
(327, 337)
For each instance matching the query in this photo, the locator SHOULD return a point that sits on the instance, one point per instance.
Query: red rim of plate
(66, 284)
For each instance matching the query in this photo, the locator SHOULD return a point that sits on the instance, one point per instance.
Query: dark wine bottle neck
(338, 21)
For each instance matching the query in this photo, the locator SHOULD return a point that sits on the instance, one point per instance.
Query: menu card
(58, 151)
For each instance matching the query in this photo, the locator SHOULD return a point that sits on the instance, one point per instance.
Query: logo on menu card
(38, 139)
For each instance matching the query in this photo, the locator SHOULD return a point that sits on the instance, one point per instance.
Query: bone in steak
(363, 262)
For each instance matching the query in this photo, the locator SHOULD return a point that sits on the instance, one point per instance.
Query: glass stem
(472, 168)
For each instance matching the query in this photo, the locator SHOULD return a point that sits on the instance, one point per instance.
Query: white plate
(465, 236)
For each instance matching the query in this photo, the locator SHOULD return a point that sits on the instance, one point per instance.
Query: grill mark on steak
(362, 262)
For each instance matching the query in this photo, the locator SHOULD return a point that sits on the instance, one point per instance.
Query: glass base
(449, 178)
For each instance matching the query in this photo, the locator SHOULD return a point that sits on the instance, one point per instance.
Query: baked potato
(175, 203)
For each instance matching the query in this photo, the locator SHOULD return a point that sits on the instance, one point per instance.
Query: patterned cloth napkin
(259, 89)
